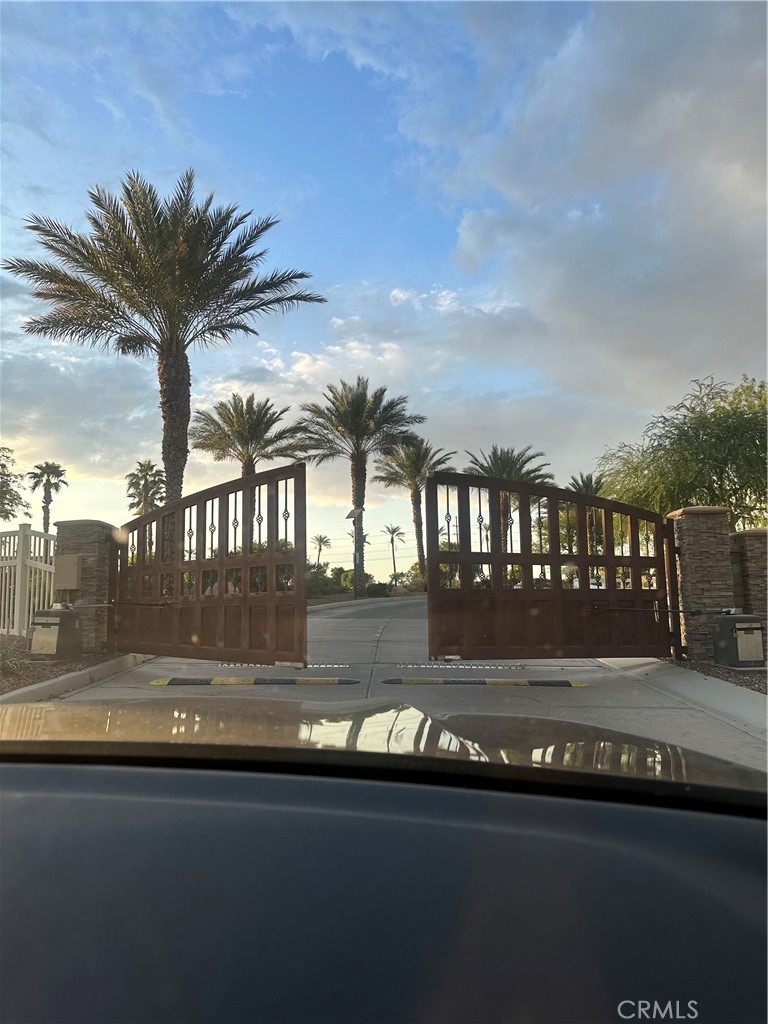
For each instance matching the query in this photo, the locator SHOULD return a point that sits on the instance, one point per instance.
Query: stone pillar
(93, 570)
(750, 547)
(704, 573)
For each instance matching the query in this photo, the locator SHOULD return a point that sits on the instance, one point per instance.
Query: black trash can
(56, 632)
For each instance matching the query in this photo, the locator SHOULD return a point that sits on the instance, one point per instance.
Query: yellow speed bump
(460, 681)
(253, 681)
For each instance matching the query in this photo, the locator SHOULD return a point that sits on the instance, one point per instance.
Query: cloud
(400, 295)
(602, 166)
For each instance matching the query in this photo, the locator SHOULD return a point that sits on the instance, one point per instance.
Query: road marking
(253, 681)
(425, 681)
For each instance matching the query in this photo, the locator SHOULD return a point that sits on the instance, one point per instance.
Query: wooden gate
(219, 574)
(517, 570)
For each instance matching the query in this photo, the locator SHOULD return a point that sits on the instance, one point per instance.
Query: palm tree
(320, 541)
(510, 464)
(591, 485)
(146, 488)
(155, 278)
(242, 431)
(395, 533)
(49, 476)
(354, 424)
(586, 483)
(351, 535)
(409, 466)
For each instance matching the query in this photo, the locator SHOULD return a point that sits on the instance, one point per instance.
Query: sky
(540, 221)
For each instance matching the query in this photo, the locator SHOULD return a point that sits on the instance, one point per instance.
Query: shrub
(378, 590)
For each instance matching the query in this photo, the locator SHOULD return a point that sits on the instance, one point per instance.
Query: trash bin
(56, 631)
(739, 641)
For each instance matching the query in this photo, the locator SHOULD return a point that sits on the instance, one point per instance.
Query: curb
(74, 680)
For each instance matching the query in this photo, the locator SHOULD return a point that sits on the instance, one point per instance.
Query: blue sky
(539, 221)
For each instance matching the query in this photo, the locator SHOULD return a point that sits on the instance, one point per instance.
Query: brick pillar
(751, 546)
(96, 545)
(704, 573)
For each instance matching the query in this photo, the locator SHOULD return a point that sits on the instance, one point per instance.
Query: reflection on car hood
(383, 727)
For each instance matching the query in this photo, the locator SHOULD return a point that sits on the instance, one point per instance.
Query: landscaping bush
(378, 590)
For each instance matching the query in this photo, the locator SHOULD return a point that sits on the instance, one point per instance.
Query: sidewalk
(734, 705)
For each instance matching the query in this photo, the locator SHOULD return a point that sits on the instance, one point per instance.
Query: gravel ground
(37, 670)
(750, 678)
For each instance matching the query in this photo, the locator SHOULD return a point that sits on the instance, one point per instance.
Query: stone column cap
(753, 531)
(697, 510)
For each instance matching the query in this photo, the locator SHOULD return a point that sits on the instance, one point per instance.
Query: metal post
(23, 551)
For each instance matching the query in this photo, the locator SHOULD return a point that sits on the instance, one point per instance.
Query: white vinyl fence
(26, 577)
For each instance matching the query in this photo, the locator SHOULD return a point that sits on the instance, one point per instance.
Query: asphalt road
(377, 650)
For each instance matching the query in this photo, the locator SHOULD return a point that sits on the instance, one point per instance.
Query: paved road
(376, 642)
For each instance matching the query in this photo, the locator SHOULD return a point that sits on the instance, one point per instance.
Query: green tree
(356, 424)
(49, 476)
(12, 504)
(709, 449)
(415, 580)
(338, 574)
(320, 541)
(153, 278)
(243, 431)
(319, 583)
(395, 535)
(145, 488)
(408, 467)
(587, 483)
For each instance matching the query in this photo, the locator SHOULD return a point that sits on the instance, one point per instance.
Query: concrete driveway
(377, 650)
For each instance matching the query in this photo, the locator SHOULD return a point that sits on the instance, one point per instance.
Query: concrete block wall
(704, 573)
(95, 542)
(749, 551)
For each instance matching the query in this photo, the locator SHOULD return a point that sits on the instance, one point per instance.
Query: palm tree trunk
(174, 378)
(394, 565)
(358, 471)
(46, 512)
(418, 527)
(248, 466)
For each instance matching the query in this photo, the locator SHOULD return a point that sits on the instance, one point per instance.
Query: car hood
(374, 727)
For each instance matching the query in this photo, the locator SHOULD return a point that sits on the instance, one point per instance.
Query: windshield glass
(387, 378)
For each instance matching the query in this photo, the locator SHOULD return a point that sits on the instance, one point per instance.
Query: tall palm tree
(242, 431)
(155, 277)
(356, 424)
(510, 464)
(394, 533)
(586, 483)
(409, 466)
(49, 476)
(145, 488)
(320, 541)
